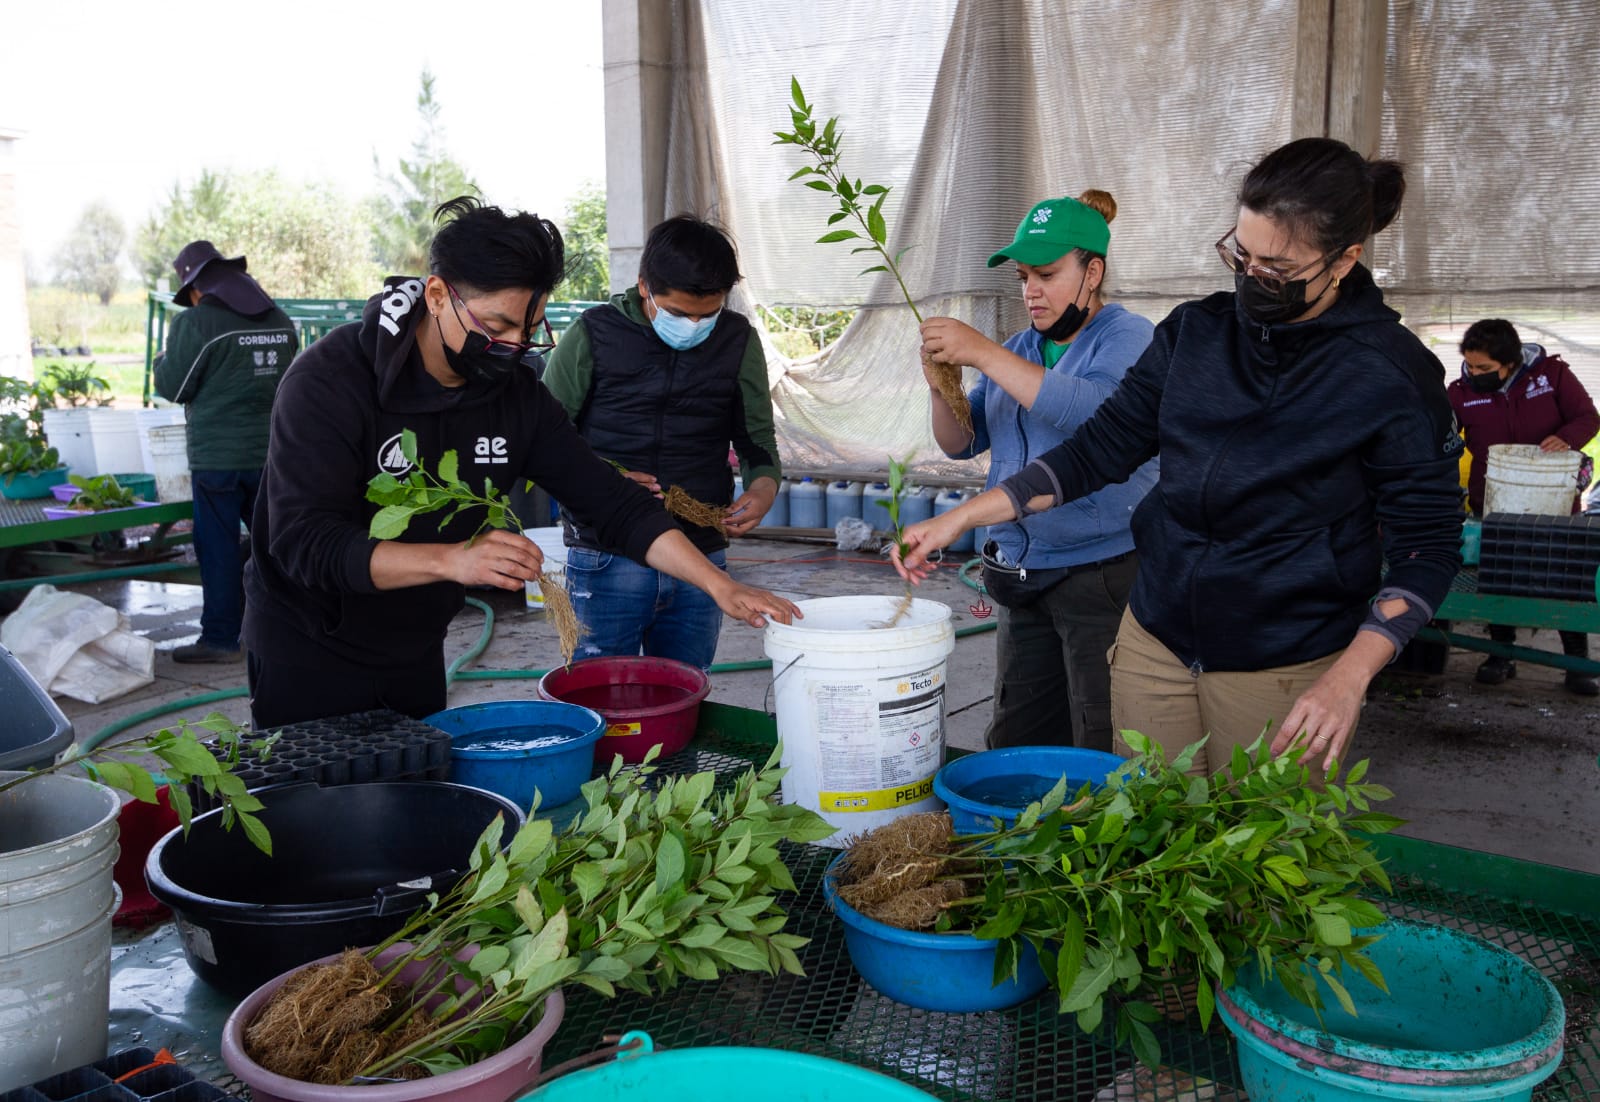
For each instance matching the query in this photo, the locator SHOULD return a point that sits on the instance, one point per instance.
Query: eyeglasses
(1271, 279)
(499, 347)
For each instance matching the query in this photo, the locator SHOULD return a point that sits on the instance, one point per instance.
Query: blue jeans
(222, 499)
(629, 609)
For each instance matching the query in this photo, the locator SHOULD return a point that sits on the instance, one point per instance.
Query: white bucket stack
(861, 708)
(1521, 478)
(169, 462)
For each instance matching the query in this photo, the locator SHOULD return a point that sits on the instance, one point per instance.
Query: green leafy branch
(420, 492)
(184, 759)
(661, 880)
(858, 202)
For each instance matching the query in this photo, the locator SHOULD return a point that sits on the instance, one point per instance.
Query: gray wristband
(1397, 629)
(1032, 481)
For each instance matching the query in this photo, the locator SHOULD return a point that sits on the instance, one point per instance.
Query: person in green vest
(224, 356)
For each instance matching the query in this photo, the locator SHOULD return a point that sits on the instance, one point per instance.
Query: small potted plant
(28, 468)
(96, 494)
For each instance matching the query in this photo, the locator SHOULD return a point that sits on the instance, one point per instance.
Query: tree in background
(588, 255)
(90, 261)
(302, 240)
(403, 219)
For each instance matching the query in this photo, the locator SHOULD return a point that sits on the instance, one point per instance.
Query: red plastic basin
(645, 701)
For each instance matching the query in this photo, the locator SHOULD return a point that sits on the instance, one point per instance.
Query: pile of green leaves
(183, 759)
(662, 879)
(420, 492)
(1160, 876)
(28, 456)
(99, 492)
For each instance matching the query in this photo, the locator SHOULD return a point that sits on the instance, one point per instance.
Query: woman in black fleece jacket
(1305, 440)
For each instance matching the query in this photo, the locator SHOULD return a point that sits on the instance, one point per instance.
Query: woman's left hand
(1554, 444)
(946, 340)
(1324, 718)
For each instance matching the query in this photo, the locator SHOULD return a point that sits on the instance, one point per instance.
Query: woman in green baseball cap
(1061, 578)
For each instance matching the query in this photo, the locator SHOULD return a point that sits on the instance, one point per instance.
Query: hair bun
(1100, 202)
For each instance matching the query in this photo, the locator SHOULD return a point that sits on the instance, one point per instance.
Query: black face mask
(1071, 319)
(475, 363)
(1269, 307)
(1487, 383)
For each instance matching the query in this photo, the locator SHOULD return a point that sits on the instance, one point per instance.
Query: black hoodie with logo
(1296, 460)
(340, 410)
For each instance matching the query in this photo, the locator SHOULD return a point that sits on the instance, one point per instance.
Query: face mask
(475, 363)
(1268, 307)
(1487, 383)
(678, 332)
(1071, 319)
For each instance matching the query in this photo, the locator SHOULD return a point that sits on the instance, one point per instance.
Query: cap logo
(1042, 215)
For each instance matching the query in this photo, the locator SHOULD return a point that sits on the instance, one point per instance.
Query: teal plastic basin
(26, 487)
(1464, 1021)
(715, 1074)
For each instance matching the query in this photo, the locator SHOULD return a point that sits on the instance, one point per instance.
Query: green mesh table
(1550, 916)
(24, 525)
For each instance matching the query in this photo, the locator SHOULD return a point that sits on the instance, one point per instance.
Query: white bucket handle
(766, 696)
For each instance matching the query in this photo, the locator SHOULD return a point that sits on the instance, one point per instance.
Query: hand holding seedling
(745, 513)
(498, 558)
(946, 340)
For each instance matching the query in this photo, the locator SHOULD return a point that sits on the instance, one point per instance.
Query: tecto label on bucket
(624, 728)
(879, 744)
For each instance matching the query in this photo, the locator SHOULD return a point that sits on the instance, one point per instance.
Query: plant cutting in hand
(862, 205)
(662, 879)
(184, 759)
(98, 493)
(420, 493)
(685, 506)
(897, 492)
(1156, 880)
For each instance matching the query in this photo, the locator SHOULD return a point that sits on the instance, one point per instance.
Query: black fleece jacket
(336, 423)
(1295, 460)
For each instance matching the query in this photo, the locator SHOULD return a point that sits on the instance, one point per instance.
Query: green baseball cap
(1052, 229)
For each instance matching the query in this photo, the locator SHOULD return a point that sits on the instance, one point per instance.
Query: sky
(120, 100)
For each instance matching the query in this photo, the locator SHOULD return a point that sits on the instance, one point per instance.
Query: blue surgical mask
(679, 332)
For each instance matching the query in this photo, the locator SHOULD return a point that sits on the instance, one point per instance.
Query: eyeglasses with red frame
(499, 347)
(1272, 279)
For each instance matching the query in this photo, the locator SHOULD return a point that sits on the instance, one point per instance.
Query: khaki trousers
(1154, 693)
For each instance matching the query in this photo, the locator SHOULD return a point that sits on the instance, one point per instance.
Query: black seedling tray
(1539, 556)
(380, 745)
(98, 1082)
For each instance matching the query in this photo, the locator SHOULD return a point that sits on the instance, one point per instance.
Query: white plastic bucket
(169, 462)
(154, 417)
(861, 708)
(1523, 479)
(550, 544)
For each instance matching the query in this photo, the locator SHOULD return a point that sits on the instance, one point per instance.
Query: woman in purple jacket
(1515, 393)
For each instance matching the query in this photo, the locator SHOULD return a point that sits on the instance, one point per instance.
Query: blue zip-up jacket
(1096, 526)
(1295, 460)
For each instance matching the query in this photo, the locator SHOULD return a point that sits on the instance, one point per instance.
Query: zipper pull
(1265, 330)
(1022, 573)
(1195, 669)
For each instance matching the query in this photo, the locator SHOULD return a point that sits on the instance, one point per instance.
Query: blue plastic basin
(1047, 763)
(1463, 1021)
(527, 746)
(950, 972)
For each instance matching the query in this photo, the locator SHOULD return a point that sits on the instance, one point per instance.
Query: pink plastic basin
(501, 1076)
(645, 701)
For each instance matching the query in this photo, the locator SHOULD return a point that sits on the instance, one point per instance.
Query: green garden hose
(453, 674)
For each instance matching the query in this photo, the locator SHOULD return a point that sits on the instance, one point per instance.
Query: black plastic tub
(349, 865)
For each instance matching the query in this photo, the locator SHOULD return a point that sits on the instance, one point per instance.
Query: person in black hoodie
(338, 622)
(1305, 439)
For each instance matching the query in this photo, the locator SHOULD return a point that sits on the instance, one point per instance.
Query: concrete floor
(1509, 769)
